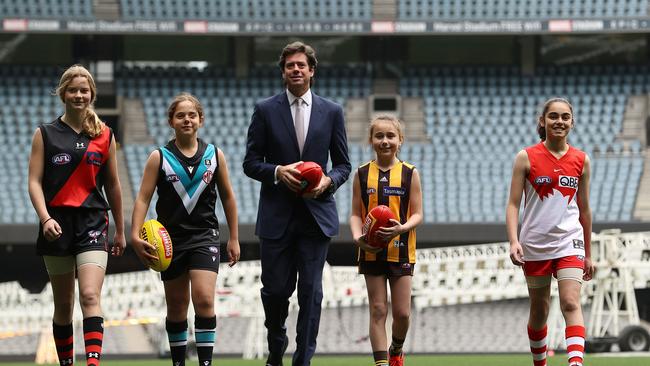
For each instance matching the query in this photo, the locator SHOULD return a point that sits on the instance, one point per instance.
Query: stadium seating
(467, 112)
(47, 9)
(458, 119)
(228, 104)
(242, 11)
(327, 10)
(521, 10)
(470, 112)
(30, 105)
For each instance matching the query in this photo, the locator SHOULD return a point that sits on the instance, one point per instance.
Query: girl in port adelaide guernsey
(388, 181)
(188, 174)
(71, 163)
(555, 236)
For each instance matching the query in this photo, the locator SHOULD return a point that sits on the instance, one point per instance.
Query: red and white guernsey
(550, 227)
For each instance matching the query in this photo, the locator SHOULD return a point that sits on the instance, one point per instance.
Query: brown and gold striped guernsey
(391, 188)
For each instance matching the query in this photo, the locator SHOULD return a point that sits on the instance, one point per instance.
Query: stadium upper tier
(253, 10)
(476, 120)
(518, 9)
(491, 113)
(47, 9)
(469, 112)
(328, 10)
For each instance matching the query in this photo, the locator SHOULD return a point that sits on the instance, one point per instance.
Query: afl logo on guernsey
(568, 182)
(172, 178)
(543, 180)
(61, 159)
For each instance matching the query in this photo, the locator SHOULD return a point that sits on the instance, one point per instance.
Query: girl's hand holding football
(143, 250)
(386, 233)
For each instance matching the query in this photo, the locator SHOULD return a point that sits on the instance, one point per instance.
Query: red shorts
(550, 266)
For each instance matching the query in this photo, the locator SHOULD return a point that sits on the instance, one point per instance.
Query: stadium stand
(228, 104)
(456, 114)
(31, 105)
(326, 10)
(255, 10)
(461, 122)
(47, 9)
(488, 111)
(526, 9)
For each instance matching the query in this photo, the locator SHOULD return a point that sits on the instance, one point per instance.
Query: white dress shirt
(306, 110)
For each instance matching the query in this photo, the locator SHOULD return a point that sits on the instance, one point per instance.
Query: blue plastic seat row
(253, 10)
(47, 9)
(515, 9)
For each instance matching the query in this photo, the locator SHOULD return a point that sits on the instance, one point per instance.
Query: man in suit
(295, 230)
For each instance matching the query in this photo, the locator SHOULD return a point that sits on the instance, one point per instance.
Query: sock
(177, 335)
(64, 343)
(381, 358)
(575, 344)
(396, 346)
(537, 339)
(204, 332)
(93, 339)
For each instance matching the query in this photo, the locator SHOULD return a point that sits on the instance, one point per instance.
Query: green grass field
(415, 360)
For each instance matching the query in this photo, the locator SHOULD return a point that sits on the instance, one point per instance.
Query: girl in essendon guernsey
(388, 181)
(555, 232)
(71, 162)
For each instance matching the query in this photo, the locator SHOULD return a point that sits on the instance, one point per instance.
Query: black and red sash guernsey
(74, 166)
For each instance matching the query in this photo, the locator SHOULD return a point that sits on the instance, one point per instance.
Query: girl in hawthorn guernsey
(71, 162)
(556, 227)
(386, 180)
(188, 174)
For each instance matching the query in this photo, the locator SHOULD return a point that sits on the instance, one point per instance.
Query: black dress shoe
(274, 360)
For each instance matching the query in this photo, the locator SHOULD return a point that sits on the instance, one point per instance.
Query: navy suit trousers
(299, 255)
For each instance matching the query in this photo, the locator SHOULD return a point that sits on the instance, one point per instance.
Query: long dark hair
(541, 130)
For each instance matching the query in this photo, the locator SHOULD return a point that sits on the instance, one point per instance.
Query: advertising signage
(620, 25)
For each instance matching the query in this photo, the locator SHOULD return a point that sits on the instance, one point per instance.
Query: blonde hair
(184, 97)
(386, 118)
(91, 124)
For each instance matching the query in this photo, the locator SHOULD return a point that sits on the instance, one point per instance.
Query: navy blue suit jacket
(272, 141)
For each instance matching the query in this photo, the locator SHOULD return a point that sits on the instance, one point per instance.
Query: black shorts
(83, 229)
(388, 269)
(206, 257)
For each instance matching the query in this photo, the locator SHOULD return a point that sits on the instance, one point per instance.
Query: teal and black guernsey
(187, 195)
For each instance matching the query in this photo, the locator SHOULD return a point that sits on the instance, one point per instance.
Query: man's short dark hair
(298, 47)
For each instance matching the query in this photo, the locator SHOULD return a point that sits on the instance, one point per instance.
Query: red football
(376, 218)
(310, 175)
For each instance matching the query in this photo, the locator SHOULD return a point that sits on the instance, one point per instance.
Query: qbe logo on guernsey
(568, 182)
